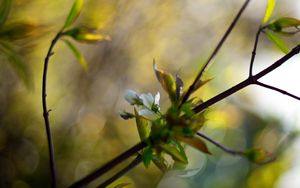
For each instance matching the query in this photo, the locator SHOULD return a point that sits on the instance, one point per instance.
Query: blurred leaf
(160, 162)
(84, 34)
(77, 54)
(196, 143)
(175, 150)
(121, 185)
(4, 11)
(147, 156)
(189, 173)
(282, 23)
(277, 41)
(167, 82)
(269, 10)
(179, 86)
(259, 156)
(16, 31)
(187, 108)
(16, 61)
(126, 115)
(200, 83)
(74, 13)
(142, 126)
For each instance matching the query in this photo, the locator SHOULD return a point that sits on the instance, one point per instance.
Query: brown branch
(108, 166)
(46, 112)
(219, 145)
(214, 53)
(278, 90)
(119, 174)
(247, 82)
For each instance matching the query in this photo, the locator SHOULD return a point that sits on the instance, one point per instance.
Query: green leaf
(17, 31)
(277, 41)
(175, 150)
(200, 83)
(84, 34)
(167, 82)
(4, 11)
(74, 13)
(121, 185)
(77, 54)
(269, 10)
(160, 162)
(142, 126)
(282, 23)
(259, 156)
(179, 87)
(147, 156)
(8, 50)
(196, 143)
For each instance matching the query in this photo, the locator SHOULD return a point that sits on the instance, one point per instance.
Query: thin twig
(214, 53)
(278, 90)
(46, 112)
(254, 51)
(247, 82)
(108, 166)
(119, 174)
(219, 145)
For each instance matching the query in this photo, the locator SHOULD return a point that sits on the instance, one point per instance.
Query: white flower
(147, 105)
(149, 101)
(148, 114)
(132, 97)
(150, 106)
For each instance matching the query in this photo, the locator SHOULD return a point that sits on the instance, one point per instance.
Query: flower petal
(131, 97)
(148, 114)
(147, 99)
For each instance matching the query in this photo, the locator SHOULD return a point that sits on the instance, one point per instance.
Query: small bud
(126, 115)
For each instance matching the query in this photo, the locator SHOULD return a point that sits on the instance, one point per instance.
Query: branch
(254, 51)
(46, 112)
(277, 89)
(108, 166)
(247, 82)
(219, 145)
(214, 53)
(119, 174)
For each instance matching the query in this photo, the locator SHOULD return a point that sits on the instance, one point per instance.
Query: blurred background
(86, 126)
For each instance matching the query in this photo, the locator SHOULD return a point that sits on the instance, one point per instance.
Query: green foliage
(269, 10)
(283, 23)
(142, 126)
(15, 60)
(84, 34)
(121, 185)
(77, 54)
(147, 156)
(4, 11)
(275, 39)
(167, 82)
(258, 155)
(74, 13)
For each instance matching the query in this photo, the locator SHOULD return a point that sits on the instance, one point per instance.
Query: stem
(214, 53)
(119, 174)
(277, 89)
(222, 147)
(108, 166)
(254, 51)
(247, 82)
(46, 112)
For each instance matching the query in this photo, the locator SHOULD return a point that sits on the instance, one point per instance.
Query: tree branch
(247, 82)
(254, 51)
(278, 90)
(119, 174)
(219, 145)
(46, 112)
(108, 166)
(214, 53)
